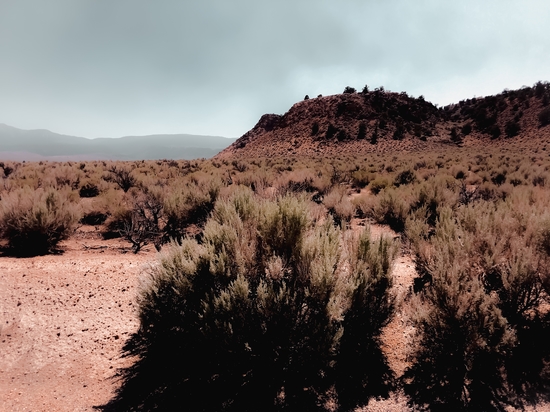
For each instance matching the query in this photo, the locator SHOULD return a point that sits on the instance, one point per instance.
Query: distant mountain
(383, 121)
(31, 145)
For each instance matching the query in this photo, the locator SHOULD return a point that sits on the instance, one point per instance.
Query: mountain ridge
(46, 145)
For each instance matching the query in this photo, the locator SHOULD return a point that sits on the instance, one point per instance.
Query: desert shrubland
(264, 296)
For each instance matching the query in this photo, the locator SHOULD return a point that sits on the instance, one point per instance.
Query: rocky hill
(383, 121)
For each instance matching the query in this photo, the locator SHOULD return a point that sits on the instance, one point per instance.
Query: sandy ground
(63, 321)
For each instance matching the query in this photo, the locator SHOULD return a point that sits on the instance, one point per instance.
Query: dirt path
(398, 334)
(63, 321)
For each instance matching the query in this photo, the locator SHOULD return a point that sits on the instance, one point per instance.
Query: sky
(112, 68)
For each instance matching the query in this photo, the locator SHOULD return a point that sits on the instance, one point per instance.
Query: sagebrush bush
(391, 209)
(254, 315)
(362, 368)
(189, 204)
(377, 184)
(338, 204)
(34, 222)
(463, 339)
(481, 317)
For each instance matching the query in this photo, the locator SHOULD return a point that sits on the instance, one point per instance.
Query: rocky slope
(382, 121)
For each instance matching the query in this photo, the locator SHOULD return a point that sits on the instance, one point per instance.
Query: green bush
(253, 315)
(34, 222)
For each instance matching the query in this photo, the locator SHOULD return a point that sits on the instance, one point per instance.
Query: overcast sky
(110, 68)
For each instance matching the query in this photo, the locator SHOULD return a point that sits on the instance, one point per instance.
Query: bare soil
(63, 321)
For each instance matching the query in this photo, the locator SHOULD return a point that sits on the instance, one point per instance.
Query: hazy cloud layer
(120, 67)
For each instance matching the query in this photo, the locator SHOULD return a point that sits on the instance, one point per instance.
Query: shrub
(8, 170)
(362, 131)
(34, 222)
(374, 136)
(405, 177)
(455, 137)
(143, 223)
(93, 218)
(342, 135)
(361, 178)
(459, 360)
(462, 336)
(399, 132)
(543, 237)
(122, 176)
(466, 129)
(315, 128)
(544, 117)
(256, 334)
(88, 190)
(339, 205)
(391, 209)
(494, 131)
(189, 204)
(362, 369)
(349, 90)
(378, 184)
(521, 295)
(331, 131)
(512, 128)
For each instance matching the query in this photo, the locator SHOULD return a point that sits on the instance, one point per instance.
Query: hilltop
(383, 121)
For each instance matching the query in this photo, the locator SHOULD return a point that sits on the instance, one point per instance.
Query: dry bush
(122, 176)
(405, 177)
(144, 222)
(34, 222)
(362, 369)
(339, 205)
(295, 182)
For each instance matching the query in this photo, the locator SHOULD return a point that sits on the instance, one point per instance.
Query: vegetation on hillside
(375, 120)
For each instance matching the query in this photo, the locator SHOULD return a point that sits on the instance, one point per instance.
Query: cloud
(110, 68)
